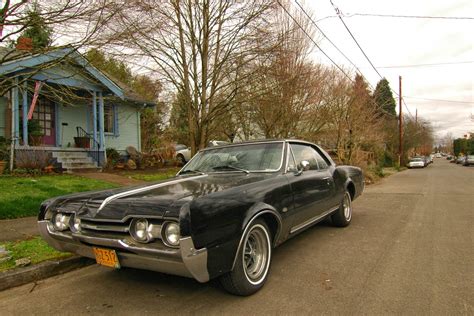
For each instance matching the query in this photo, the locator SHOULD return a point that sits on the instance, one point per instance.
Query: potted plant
(35, 133)
(82, 141)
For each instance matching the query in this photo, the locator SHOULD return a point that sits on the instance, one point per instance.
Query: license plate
(106, 257)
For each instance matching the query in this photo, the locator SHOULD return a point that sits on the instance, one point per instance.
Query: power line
(411, 16)
(400, 16)
(440, 100)
(314, 42)
(428, 65)
(363, 52)
(319, 29)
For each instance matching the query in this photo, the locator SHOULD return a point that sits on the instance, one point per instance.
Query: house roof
(18, 61)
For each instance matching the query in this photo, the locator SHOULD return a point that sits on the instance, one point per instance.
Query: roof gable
(32, 61)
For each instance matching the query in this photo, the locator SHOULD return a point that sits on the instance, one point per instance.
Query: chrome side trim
(195, 260)
(147, 188)
(312, 220)
(247, 228)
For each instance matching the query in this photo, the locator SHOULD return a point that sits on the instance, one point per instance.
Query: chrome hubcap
(347, 207)
(256, 254)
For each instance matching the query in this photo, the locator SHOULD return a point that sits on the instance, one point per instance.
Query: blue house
(80, 110)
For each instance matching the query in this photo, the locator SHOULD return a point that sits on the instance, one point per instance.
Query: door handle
(328, 182)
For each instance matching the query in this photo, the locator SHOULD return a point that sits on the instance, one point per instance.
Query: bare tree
(200, 49)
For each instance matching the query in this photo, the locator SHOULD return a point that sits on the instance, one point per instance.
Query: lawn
(36, 249)
(157, 175)
(22, 196)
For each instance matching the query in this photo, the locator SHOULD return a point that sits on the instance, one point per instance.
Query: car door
(312, 189)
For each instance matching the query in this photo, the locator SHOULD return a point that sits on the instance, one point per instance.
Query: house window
(111, 125)
(109, 119)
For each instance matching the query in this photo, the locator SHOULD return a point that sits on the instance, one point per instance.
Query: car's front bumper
(185, 261)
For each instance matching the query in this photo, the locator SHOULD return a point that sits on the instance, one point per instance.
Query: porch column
(15, 112)
(25, 113)
(101, 122)
(94, 116)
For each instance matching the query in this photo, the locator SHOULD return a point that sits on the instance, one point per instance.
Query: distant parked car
(183, 153)
(469, 160)
(449, 157)
(416, 162)
(460, 160)
(438, 155)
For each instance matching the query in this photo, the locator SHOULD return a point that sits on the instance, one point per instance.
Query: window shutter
(116, 121)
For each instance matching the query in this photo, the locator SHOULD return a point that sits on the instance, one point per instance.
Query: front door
(312, 189)
(44, 114)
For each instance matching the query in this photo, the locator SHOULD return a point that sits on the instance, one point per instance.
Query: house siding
(129, 129)
(74, 116)
(3, 116)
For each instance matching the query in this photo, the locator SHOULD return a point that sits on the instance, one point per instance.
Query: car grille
(104, 228)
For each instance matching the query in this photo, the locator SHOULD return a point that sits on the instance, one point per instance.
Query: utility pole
(400, 127)
(416, 117)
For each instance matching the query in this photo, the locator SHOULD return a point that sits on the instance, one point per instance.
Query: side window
(321, 162)
(305, 152)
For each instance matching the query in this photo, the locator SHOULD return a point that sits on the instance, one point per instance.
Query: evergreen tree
(37, 29)
(384, 98)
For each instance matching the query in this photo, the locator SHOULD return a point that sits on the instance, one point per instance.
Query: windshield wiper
(191, 171)
(231, 168)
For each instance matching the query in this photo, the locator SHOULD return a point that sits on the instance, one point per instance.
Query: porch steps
(75, 161)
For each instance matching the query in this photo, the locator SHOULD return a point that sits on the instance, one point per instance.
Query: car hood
(160, 199)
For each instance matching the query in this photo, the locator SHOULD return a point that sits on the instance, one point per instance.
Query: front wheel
(253, 261)
(343, 215)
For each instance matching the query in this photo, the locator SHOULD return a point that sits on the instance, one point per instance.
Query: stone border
(19, 276)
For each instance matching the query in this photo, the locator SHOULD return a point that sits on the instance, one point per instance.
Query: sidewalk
(24, 228)
(20, 228)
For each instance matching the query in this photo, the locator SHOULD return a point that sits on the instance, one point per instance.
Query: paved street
(409, 250)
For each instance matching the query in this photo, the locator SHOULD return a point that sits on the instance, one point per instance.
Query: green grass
(159, 175)
(36, 249)
(22, 196)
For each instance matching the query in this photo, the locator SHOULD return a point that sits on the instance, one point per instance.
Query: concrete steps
(75, 161)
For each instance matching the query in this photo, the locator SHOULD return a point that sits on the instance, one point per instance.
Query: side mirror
(303, 166)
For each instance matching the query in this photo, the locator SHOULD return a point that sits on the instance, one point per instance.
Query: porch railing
(92, 145)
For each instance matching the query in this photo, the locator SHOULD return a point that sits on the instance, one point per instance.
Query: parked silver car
(183, 153)
(469, 160)
(416, 162)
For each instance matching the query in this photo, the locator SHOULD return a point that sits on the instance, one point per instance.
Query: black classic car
(219, 217)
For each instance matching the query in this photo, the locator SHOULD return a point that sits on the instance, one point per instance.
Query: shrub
(4, 149)
(113, 157)
(32, 159)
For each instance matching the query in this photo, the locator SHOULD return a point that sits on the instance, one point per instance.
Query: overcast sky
(408, 41)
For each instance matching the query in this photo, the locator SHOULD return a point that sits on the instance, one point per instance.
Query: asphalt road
(409, 250)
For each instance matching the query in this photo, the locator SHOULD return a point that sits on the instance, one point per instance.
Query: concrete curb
(40, 271)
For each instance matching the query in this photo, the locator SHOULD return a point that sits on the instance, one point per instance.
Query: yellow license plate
(106, 257)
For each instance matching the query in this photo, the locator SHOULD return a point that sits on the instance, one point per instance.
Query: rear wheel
(253, 261)
(343, 215)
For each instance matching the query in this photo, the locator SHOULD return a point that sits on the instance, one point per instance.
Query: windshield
(264, 157)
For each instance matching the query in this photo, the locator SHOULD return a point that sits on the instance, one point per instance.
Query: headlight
(172, 234)
(143, 231)
(75, 224)
(61, 222)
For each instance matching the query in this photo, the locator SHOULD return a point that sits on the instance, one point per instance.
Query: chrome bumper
(186, 261)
